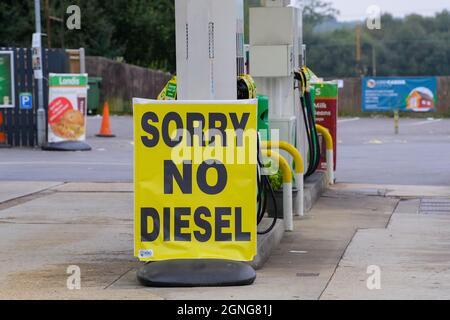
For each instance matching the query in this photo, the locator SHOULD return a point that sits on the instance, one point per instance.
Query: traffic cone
(105, 129)
(2, 134)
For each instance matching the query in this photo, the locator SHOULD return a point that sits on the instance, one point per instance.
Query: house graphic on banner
(419, 100)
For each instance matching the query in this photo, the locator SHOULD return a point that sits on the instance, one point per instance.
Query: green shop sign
(69, 80)
(7, 93)
(325, 90)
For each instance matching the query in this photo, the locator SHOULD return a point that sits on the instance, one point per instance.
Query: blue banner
(405, 94)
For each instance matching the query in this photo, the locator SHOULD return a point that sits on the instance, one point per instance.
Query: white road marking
(421, 123)
(348, 120)
(374, 141)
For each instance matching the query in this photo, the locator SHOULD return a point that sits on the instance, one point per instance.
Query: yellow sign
(195, 179)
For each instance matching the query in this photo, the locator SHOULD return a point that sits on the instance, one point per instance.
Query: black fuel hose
(264, 188)
(311, 133)
(314, 134)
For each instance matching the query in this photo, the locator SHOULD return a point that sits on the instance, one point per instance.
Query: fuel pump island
(205, 149)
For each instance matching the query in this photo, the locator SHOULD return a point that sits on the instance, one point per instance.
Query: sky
(356, 9)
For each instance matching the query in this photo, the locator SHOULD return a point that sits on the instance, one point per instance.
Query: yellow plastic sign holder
(195, 190)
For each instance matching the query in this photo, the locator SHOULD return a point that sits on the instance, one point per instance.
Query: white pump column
(275, 52)
(210, 48)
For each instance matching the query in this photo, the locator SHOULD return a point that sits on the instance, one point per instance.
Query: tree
(96, 34)
(16, 23)
(412, 46)
(317, 11)
(142, 32)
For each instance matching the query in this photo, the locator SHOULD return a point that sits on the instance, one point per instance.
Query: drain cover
(435, 206)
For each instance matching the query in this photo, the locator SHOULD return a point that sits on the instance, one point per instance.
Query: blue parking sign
(26, 101)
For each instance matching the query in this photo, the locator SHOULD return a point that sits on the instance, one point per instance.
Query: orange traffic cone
(105, 129)
(2, 134)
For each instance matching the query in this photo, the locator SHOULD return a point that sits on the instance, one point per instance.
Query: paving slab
(95, 187)
(73, 208)
(401, 191)
(412, 254)
(14, 189)
(94, 230)
(301, 266)
(44, 236)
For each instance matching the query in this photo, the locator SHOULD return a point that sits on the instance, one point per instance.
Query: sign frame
(12, 105)
(153, 182)
(400, 89)
(326, 103)
(67, 95)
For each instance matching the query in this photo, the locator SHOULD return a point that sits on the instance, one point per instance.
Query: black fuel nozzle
(298, 75)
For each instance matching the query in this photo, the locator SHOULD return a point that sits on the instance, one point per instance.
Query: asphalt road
(368, 152)
(111, 159)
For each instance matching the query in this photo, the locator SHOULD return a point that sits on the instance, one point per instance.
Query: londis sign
(195, 179)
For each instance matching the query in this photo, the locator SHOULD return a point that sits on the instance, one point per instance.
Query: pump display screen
(195, 180)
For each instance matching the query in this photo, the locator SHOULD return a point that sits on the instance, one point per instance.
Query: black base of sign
(67, 146)
(196, 273)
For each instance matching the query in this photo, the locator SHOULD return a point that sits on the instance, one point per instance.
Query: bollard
(396, 121)
(287, 188)
(299, 170)
(330, 151)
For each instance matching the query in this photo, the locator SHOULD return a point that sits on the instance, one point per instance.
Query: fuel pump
(275, 53)
(210, 66)
(277, 57)
(303, 77)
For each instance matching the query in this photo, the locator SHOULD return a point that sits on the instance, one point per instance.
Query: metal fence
(122, 82)
(19, 125)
